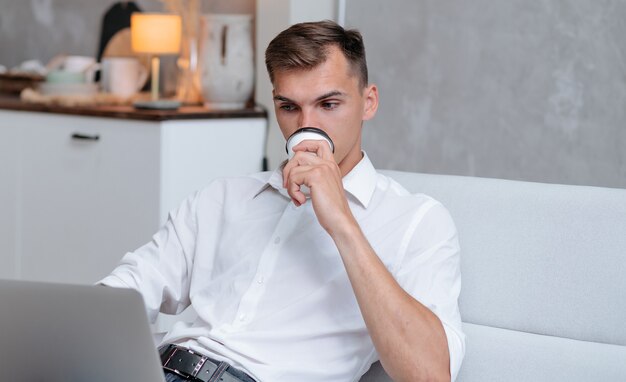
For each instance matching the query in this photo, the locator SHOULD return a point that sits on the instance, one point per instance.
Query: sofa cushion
(541, 258)
(504, 355)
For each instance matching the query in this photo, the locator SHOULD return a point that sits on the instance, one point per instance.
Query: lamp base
(161, 104)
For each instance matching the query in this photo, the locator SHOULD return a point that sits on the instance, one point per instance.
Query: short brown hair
(306, 45)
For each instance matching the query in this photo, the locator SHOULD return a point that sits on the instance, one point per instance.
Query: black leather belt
(196, 367)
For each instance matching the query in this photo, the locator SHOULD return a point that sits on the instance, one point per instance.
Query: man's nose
(308, 118)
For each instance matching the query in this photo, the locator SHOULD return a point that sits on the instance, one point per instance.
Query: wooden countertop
(128, 112)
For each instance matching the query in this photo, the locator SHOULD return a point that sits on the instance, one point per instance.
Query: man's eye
(287, 107)
(330, 105)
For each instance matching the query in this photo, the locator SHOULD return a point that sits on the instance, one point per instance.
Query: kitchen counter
(129, 112)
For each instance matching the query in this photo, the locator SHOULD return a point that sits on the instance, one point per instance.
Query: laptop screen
(74, 333)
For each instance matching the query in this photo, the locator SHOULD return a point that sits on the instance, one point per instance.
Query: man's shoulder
(393, 199)
(413, 208)
(393, 190)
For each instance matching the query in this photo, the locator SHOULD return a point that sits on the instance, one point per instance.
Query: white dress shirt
(268, 283)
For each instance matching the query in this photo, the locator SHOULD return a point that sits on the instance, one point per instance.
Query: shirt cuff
(114, 282)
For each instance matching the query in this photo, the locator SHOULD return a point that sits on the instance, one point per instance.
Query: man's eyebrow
(283, 99)
(333, 93)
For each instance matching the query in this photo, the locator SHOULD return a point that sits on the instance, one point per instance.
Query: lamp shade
(155, 33)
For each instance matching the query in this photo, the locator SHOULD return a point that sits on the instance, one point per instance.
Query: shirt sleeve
(429, 270)
(160, 270)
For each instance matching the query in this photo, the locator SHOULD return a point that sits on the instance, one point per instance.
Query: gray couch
(544, 278)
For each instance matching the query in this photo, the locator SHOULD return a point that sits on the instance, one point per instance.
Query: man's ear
(371, 102)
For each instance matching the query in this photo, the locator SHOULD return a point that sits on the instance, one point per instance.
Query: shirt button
(242, 317)
(260, 280)
(277, 240)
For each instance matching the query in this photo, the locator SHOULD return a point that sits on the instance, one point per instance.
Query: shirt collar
(360, 182)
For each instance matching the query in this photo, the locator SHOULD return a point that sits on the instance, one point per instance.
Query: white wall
(517, 89)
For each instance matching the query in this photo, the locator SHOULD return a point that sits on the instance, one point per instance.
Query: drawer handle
(84, 137)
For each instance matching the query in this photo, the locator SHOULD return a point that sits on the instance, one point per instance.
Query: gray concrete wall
(41, 29)
(517, 89)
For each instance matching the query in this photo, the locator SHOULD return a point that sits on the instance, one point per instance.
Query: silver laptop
(74, 333)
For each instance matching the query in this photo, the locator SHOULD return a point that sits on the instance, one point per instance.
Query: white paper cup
(303, 134)
(307, 133)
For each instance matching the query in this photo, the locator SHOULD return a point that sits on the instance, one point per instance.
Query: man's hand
(314, 166)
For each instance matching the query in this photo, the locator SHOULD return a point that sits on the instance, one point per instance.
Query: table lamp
(155, 34)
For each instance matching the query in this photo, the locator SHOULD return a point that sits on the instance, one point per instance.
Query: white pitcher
(227, 67)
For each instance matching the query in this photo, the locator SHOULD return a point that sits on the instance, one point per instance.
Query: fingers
(308, 152)
(322, 176)
(318, 147)
(310, 156)
(301, 158)
(293, 162)
(295, 181)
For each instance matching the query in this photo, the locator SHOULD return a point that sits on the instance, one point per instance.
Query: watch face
(307, 133)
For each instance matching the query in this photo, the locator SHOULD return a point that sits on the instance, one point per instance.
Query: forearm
(409, 338)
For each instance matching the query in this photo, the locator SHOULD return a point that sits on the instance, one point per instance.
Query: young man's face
(328, 97)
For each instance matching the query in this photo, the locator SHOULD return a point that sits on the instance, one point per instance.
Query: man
(290, 287)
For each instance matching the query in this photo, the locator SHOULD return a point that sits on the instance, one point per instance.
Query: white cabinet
(8, 200)
(89, 193)
(82, 191)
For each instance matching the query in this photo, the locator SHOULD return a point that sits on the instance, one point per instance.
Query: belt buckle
(197, 366)
(168, 355)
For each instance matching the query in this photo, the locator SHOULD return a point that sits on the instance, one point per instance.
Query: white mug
(123, 76)
(78, 63)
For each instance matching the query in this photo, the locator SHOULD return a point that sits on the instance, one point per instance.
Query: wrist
(345, 230)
